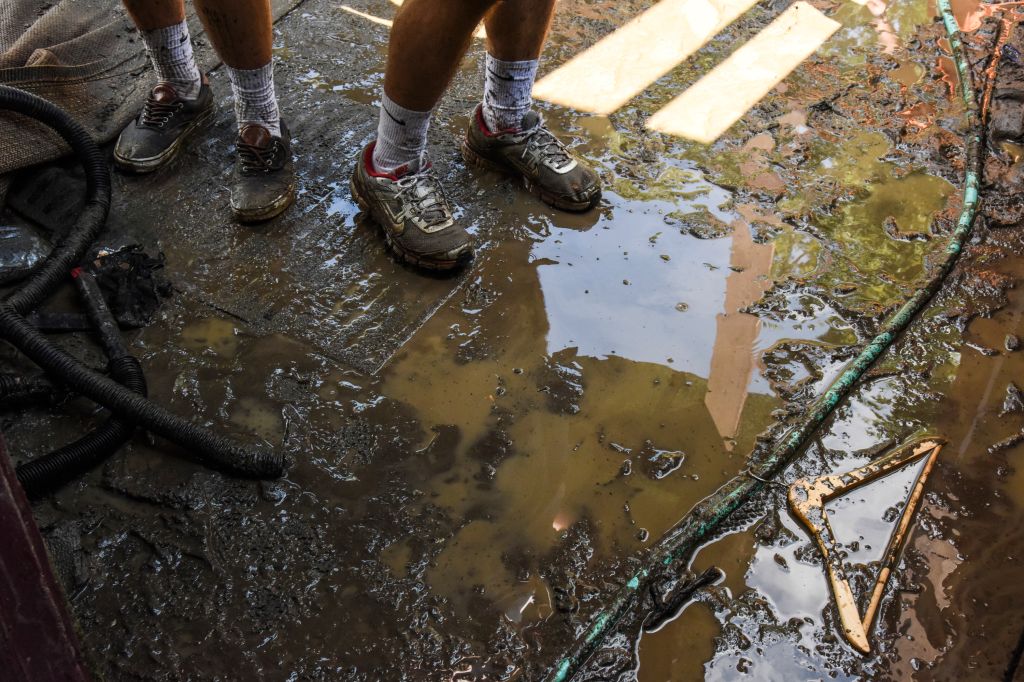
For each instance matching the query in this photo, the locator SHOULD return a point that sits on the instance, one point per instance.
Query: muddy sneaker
(547, 168)
(158, 132)
(263, 183)
(413, 211)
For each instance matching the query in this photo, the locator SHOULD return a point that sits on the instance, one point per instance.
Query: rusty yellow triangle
(807, 499)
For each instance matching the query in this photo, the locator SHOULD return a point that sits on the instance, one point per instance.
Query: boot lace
(425, 195)
(156, 114)
(255, 160)
(543, 145)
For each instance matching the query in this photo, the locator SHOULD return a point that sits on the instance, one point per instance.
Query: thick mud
(479, 462)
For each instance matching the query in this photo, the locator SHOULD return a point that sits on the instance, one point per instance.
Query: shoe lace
(157, 114)
(425, 194)
(542, 143)
(255, 159)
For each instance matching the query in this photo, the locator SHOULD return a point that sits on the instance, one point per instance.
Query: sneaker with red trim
(413, 211)
(533, 153)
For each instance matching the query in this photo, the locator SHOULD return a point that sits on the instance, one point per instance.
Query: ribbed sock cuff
(170, 51)
(507, 92)
(401, 136)
(255, 99)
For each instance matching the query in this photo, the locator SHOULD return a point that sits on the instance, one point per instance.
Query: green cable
(705, 517)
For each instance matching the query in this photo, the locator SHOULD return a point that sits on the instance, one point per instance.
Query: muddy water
(463, 512)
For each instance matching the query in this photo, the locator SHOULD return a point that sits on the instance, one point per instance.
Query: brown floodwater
(479, 461)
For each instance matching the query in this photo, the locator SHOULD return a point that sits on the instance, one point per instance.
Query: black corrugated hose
(123, 402)
(18, 392)
(41, 475)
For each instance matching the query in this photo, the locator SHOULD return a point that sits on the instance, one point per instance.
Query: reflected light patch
(561, 522)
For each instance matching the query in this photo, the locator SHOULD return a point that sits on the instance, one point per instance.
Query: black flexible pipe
(17, 392)
(208, 447)
(100, 318)
(211, 448)
(42, 475)
(69, 252)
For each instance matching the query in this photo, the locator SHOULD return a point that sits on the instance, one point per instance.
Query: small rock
(1014, 400)
(1012, 342)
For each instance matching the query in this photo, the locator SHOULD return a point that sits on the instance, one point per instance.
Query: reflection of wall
(732, 359)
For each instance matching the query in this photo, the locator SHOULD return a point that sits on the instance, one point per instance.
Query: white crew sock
(255, 101)
(170, 50)
(401, 136)
(507, 92)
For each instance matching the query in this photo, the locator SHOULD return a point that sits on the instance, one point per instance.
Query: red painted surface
(37, 640)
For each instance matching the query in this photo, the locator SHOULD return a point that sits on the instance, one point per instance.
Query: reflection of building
(732, 359)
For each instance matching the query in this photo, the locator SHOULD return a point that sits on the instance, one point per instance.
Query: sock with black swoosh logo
(401, 136)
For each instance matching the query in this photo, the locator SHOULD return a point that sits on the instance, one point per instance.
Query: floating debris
(807, 499)
(1007, 443)
(1013, 403)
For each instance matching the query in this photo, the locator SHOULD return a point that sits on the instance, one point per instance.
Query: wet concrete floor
(480, 460)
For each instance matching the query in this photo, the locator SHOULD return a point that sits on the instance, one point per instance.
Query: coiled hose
(206, 446)
(43, 474)
(696, 527)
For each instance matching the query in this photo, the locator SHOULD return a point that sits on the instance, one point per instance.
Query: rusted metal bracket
(807, 499)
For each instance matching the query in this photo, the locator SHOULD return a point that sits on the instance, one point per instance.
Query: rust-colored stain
(921, 115)
(971, 13)
(947, 68)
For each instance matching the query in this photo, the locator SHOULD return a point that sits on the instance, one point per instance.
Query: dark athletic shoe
(263, 182)
(160, 129)
(547, 168)
(413, 211)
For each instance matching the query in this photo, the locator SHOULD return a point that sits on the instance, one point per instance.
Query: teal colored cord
(704, 518)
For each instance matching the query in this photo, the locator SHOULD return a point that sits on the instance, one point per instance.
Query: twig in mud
(1005, 24)
(1007, 443)
(669, 608)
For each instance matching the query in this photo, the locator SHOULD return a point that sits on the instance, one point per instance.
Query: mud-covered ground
(479, 462)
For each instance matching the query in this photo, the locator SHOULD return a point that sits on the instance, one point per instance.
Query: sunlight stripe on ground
(711, 105)
(617, 68)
